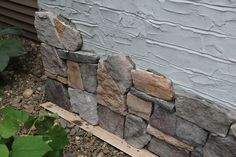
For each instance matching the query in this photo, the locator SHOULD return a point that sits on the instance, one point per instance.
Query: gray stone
(85, 104)
(217, 146)
(164, 149)
(163, 120)
(57, 93)
(119, 67)
(51, 61)
(204, 113)
(165, 104)
(198, 152)
(79, 56)
(111, 121)
(46, 31)
(233, 129)
(136, 131)
(89, 77)
(190, 133)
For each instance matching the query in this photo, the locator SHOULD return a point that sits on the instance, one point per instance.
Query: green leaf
(4, 152)
(8, 128)
(15, 114)
(11, 30)
(11, 47)
(44, 123)
(29, 146)
(4, 59)
(30, 122)
(55, 153)
(57, 137)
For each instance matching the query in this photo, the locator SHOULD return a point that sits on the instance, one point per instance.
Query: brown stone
(153, 84)
(108, 92)
(56, 77)
(111, 121)
(139, 107)
(74, 75)
(168, 139)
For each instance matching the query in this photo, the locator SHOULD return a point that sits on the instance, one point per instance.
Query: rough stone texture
(233, 129)
(168, 139)
(79, 56)
(85, 104)
(57, 93)
(139, 107)
(46, 31)
(69, 37)
(190, 133)
(152, 84)
(74, 75)
(136, 131)
(111, 121)
(163, 120)
(108, 92)
(56, 77)
(197, 152)
(164, 149)
(165, 104)
(51, 61)
(119, 67)
(203, 113)
(89, 77)
(217, 146)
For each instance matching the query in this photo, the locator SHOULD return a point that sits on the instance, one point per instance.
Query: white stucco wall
(193, 42)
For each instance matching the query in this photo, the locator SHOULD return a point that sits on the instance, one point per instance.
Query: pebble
(27, 93)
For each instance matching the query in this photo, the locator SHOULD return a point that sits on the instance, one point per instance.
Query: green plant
(42, 136)
(9, 47)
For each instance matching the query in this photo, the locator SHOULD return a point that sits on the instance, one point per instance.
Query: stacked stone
(137, 105)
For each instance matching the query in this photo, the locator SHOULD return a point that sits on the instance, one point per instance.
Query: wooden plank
(17, 16)
(98, 132)
(18, 8)
(29, 3)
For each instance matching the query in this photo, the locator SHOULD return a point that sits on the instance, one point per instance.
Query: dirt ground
(26, 74)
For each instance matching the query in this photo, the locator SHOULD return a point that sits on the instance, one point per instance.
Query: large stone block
(108, 92)
(139, 107)
(136, 131)
(89, 77)
(164, 104)
(233, 129)
(74, 75)
(190, 133)
(164, 149)
(198, 152)
(57, 93)
(56, 77)
(163, 120)
(85, 104)
(217, 146)
(111, 121)
(51, 61)
(85, 57)
(119, 67)
(53, 31)
(204, 113)
(153, 84)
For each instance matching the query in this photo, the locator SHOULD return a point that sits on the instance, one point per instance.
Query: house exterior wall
(191, 42)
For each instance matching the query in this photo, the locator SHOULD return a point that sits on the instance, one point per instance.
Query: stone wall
(138, 105)
(192, 42)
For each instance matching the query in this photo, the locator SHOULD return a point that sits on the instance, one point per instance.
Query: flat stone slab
(79, 56)
(51, 61)
(164, 149)
(153, 84)
(139, 107)
(217, 146)
(57, 93)
(108, 92)
(74, 75)
(85, 104)
(233, 129)
(136, 131)
(89, 77)
(53, 31)
(111, 121)
(204, 113)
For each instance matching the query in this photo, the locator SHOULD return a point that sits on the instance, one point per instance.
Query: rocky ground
(22, 85)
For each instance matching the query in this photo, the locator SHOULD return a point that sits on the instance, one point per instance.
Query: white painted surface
(193, 42)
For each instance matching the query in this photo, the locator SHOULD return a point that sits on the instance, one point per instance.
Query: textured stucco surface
(193, 42)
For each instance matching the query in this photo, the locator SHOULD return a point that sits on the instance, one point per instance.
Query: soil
(25, 73)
